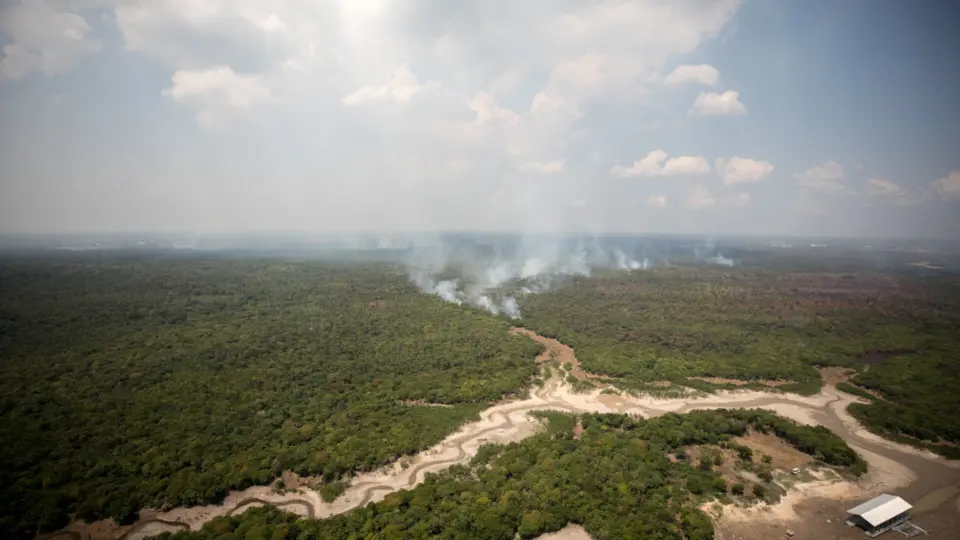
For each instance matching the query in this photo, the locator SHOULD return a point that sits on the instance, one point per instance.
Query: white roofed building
(880, 514)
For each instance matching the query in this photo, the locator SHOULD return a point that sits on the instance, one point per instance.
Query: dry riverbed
(509, 421)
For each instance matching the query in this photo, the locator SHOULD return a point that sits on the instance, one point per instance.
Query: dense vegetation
(615, 480)
(899, 332)
(674, 323)
(918, 399)
(132, 383)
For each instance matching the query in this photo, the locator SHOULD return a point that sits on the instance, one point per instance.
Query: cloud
(548, 167)
(703, 74)
(739, 170)
(45, 38)
(488, 111)
(219, 83)
(948, 187)
(824, 178)
(882, 187)
(426, 103)
(713, 104)
(401, 87)
(657, 201)
(700, 198)
(191, 34)
(656, 163)
(216, 92)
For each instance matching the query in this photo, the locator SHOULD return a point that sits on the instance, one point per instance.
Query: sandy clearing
(570, 532)
(153, 529)
(884, 474)
(509, 421)
(785, 510)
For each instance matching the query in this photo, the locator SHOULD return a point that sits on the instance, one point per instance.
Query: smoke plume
(489, 275)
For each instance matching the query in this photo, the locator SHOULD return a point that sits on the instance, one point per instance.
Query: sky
(810, 117)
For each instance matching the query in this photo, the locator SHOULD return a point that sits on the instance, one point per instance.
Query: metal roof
(881, 509)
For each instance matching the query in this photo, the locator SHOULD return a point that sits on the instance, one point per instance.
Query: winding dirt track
(911, 472)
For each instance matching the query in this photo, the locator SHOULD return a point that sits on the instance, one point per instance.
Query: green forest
(615, 479)
(134, 383)
(900, 333)
(918, 401)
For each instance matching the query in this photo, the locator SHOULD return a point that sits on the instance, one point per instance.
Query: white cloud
(45, 38)
(220, 84)
(547, 167)
(738, 170)
(516, 93)
(401, 87)
(713, 104)
(189, 34)
(657, 201)
(881, 187)
(704, 74)
(948, 187)
(579, 203)
(656, 163)
(488, 111)
(700, 198)
(826, 178)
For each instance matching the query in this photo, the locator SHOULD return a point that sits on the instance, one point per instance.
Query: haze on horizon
(705, 117)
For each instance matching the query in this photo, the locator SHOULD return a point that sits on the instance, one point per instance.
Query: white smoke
(625, 263)
(449, 290)
(708, 253)
(720, 260)
(490, 282)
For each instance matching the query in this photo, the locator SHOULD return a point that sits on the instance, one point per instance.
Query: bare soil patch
(554, 350)
(578, 430)
(783, 456)
(834, 375)
(292, 480)
(570, 532)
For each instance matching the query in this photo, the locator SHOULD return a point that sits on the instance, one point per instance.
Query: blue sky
(699, 116)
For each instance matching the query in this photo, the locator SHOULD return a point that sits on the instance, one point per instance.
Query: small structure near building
(881, 514)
